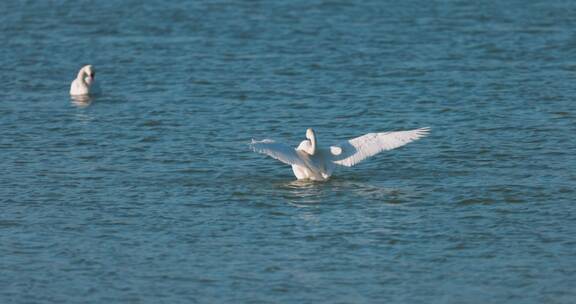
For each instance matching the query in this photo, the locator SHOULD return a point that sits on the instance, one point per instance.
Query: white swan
(83, 82)
(313, 163)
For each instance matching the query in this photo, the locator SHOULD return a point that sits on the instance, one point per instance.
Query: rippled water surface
(149, 193)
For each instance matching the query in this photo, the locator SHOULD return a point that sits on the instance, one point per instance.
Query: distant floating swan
(83, 82)
(313, 163)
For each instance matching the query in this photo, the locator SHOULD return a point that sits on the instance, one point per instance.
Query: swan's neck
(312, 137)
(81, 75)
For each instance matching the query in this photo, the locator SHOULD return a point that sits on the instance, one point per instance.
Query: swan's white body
(83, 82)
(313, 163)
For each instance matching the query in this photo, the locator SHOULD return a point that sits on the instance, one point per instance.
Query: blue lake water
(150, 193)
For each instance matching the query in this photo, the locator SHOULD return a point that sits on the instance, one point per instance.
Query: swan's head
(90, 72)
(310, 134)
(87, 73)
(312, 137)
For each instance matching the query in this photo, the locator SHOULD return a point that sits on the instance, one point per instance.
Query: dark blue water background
(150, 194)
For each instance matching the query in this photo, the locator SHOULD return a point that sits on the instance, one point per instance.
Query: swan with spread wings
(308, 161)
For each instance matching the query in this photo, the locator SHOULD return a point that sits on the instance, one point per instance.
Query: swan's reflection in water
(306, 194)
(307, 197)
(81, 101)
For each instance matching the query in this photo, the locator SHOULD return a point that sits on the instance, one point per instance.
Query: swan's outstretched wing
(358, 149)
(281, 152)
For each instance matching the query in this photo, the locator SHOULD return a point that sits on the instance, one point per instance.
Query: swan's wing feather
(360, 148)
(279, 151)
